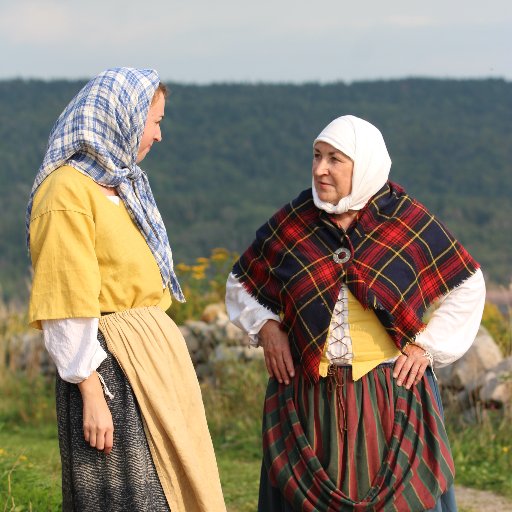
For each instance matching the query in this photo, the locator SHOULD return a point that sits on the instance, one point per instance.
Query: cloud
(228, 40)
(70, 23)
(32, 22)
(410, 21)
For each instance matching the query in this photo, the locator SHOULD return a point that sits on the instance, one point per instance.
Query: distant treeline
(233, 153)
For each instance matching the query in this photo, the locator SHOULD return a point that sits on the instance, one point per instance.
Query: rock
(204, 372)
(192, 343)
(250, 353)
(190, 339)
(196, 326)
(217, 336)
(222, 319)
(483, 355)
(225, 353)
(185, 331)
(497, 385)
(201, 355)
(444, 375)
(213, 312)
(233, 333)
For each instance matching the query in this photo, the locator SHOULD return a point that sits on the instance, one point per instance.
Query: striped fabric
(99, 134)
(402, 259)
(366, 445)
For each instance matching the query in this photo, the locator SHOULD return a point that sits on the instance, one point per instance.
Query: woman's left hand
(410, 367)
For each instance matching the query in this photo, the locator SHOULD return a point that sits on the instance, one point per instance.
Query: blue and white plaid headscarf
(99, 134)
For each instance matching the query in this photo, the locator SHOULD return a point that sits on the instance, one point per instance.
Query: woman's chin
(327, 198)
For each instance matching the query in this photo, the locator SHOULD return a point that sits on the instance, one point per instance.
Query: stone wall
(482, 376)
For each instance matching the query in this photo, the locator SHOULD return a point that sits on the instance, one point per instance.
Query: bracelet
(430, 358)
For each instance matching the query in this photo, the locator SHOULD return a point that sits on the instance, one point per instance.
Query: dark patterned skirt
(344, 445)
(124, 480)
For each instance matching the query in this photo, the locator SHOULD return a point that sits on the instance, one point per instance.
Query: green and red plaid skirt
(367, 445)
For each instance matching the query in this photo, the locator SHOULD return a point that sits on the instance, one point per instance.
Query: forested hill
(232, 154)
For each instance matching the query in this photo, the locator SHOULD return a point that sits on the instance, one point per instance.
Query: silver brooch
(341, 255)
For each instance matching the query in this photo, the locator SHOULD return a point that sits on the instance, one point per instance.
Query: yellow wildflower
(182, 267)
(220, 252)
(203, 261)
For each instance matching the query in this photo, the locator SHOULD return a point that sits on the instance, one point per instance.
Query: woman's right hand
(276, 348)
(98, 424)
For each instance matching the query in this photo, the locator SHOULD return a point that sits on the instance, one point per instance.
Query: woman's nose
(320, 168)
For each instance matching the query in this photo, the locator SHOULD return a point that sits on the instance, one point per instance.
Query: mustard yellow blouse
(88, 255)
(371, 344)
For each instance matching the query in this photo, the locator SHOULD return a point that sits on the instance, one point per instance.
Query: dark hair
(162, 88)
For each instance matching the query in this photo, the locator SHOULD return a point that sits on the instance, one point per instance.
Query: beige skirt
(151, 351)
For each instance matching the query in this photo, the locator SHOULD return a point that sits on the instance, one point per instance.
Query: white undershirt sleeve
(245, 311)
(453, 326)
(449, 333)
(74, 347)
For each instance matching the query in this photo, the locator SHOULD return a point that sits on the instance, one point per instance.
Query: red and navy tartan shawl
(402, 260)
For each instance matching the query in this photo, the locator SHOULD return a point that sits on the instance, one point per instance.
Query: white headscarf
(363, 143)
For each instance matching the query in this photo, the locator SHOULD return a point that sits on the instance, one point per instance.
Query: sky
(206, 41)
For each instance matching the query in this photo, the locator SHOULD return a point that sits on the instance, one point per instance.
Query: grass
(483, 451)
(234, 404)
(30, 466)
(240, 476)
(29, 458)
(29, 469)
(29, 455)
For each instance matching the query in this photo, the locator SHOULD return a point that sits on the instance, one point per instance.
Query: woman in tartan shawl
(132, 428)
(334, 288)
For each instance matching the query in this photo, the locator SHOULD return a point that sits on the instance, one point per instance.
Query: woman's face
(332, 173)
(152, 131)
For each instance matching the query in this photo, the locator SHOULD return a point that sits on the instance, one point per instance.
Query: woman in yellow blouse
(132, 428)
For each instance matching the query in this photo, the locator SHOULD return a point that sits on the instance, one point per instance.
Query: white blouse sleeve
(74, 347)
(453, 326)
(245, 311)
